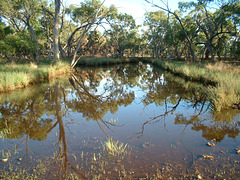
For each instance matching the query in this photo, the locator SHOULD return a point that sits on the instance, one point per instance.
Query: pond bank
(14, 76)
(222, 79)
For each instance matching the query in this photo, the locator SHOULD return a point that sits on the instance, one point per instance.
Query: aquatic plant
(115, 148)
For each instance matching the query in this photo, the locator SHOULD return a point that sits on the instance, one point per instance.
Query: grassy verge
(223, 80)
(13, 76)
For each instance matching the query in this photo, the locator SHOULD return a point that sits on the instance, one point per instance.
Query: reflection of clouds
(162, 79)
(101, 89)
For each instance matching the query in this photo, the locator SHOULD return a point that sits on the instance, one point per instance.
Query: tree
(55, 31)
(23, 14)
(157, 30)
(90, 13)
(213, 26)
(180, 22)
(123, 34)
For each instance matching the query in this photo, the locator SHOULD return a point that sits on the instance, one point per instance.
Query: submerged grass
(13, 76)
(115, 148)
(222, 78)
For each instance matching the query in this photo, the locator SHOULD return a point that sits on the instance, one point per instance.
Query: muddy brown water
(158, 123)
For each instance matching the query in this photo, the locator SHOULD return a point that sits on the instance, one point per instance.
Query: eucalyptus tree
(143, 45)
(22, 15)
(87, 16)
(123, 34)
(47, 27)
(156, 23)
(179, 19)
(165, 35)
(214, 27)
(53, 23)
(55, 31)
(232, 13)
(96, 43)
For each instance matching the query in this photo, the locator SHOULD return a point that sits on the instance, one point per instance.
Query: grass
(115, 148)
(13, 76)
(222, 80)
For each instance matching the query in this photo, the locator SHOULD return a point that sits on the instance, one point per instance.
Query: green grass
(115, 148)
(13, 76)
(222, 79)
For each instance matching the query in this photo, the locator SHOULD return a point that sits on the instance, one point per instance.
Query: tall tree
(55, 31)
(166, 9)
(212, 25)
(95, 11)
(123, 33)
(156, 22)
(23, 14)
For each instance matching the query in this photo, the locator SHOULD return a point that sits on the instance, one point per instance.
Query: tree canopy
(202, 29)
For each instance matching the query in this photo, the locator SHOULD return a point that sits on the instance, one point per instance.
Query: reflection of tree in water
(62, 155)
(210, 129)
(93, 93)
(27, 116)
(194, 94)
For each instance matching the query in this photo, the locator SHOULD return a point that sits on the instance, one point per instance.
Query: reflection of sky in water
(143, 121)
(132, 117)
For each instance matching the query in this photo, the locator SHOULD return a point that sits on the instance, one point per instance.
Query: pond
(121, 122)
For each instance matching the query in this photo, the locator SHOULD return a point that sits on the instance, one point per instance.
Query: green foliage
(83, 13)
(17, 44)
(5, 30)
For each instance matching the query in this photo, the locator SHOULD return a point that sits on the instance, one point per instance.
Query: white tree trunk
(55, 31)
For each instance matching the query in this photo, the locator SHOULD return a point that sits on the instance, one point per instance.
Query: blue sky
(136, 8)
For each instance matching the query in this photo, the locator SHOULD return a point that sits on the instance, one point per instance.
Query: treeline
(33, 29)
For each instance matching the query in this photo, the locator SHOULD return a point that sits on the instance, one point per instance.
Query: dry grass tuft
(222, 67)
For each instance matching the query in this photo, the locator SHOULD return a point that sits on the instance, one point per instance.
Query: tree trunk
(35, 54)
(74, 60)
(55, 32)
(87, 28)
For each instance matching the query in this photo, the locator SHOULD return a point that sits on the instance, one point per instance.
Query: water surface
(163, 124)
